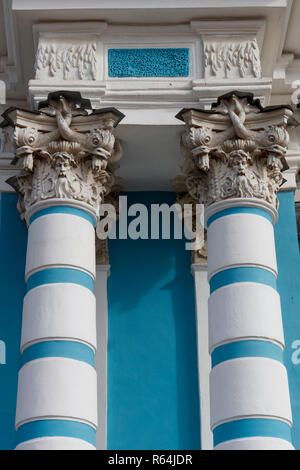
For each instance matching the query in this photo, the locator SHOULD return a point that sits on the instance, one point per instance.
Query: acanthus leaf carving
(69, 61)
(232, 152)
(227, 59)
(65, 163)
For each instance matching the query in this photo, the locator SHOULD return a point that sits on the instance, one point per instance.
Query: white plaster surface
(61, 240)
(244, 310)
(255, 443)
(240, 240)
(57, 388)
(55, 443)
(249, 387)
(59, 311)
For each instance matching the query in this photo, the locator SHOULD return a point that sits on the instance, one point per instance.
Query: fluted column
(66, 154)
(234, 158)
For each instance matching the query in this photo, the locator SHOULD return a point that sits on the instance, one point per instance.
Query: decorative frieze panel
(66, 60)
(232, 59)
(143, 65)
(237, 150)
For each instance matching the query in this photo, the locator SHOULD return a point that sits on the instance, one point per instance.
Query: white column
(250, 403)
(235, 157)
(64, 152)
(57, 391)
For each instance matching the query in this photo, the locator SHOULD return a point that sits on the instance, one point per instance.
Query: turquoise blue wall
(152, 369)
(152, 358)
(289, 288)
(13, 241)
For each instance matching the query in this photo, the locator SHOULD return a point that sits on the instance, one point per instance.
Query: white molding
(102, 273)
(231, 28)
(141, 92)
(148, 4)
(199, 272)
(67, 29)
(10, 64)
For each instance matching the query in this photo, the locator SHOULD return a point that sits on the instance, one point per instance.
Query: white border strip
(204, 362)
(102, 273)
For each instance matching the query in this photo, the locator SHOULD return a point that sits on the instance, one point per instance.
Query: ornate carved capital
(235, 150)
(191, 219)
(65, 151)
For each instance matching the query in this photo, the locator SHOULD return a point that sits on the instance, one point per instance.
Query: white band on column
(55, 387)
(244, 310)
(60, 240)
(240, 240)
(46, 305)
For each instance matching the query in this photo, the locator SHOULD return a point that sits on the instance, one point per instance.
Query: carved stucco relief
(236, 150)
(76, 60)
(229, 58)
(64, 163)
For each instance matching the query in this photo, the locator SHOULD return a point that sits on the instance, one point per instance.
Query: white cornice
(10, 66)
(146, 4)
(232, 28)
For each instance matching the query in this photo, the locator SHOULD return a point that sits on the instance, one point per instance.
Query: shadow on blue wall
(13, 241)
(152, 353)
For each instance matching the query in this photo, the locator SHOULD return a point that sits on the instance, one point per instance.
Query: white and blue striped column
(249, 392)
(57, 388)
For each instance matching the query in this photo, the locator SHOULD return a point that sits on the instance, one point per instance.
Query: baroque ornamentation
(232, 59)
(191, 213)
(69, 61)
(112, 198)
(64, 152)
(236, 150)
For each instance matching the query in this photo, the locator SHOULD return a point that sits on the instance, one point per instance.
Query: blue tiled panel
(169, 62)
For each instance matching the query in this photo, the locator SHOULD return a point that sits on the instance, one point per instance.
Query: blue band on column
(63, 210)
(56, 427)
(240, 210)
(60, 348)
(242, 274)
(247, 348)
(252, 427)
(60, 275)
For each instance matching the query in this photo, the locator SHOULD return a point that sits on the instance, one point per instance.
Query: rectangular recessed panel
(169, 62)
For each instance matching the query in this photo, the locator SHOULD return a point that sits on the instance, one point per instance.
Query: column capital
(66, 153)
(235, 150)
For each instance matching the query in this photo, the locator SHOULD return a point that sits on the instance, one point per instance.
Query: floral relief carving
(67, 61)
(229, 59)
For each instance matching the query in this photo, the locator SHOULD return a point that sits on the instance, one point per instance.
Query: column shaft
(250, 405)
(64, 151)
(57, 391)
